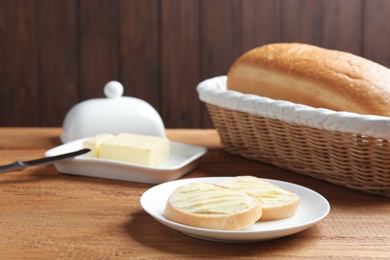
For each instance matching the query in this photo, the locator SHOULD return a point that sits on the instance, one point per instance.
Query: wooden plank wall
(56, 53)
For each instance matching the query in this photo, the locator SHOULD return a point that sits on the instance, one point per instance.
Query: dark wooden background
(56, 53)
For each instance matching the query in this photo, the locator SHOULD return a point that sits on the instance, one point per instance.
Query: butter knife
(19, 165)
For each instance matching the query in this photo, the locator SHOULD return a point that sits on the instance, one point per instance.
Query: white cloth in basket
(214, 91)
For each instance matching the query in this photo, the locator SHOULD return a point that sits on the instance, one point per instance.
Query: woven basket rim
(214, 91)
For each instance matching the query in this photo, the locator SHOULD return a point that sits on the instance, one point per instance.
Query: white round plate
(312, 208)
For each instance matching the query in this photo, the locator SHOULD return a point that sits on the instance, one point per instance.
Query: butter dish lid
(113, 115)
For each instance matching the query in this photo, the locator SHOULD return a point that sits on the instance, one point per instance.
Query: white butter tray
(183, 158)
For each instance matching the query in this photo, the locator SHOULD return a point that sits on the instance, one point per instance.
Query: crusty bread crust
(276, 202)
(313, 76)
(282, 211)
(231, 221)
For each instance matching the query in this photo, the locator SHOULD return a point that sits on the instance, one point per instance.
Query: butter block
(138, 149)
(94, 144)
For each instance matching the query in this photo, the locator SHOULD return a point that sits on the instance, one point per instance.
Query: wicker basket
(316, 142)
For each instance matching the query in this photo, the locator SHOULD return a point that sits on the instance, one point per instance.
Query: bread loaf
(276, 203)
(313, 76)
(210, 206)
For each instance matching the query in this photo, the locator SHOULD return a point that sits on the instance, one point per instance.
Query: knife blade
(19, 165)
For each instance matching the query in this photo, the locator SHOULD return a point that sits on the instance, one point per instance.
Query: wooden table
(45, 214)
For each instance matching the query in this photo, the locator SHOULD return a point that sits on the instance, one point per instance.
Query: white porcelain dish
(182, 159)
(313, 208)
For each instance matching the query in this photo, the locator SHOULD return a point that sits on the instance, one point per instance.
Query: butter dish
(183, 158)
(113, 115)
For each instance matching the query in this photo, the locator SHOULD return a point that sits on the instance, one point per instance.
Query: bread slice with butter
(206, 205)
(132, 148)
(276, 202)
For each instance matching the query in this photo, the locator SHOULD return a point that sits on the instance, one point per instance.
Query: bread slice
(276, 203)
(206, 205)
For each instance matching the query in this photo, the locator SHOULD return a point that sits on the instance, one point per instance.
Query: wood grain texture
(98, 39)
(46, 215)
(376, 31)
(140, 55)
(55, 54)
(19, 90)
(261, 23)
(179, 62)
(343, 25)
(57, 63)
(301, 21)
(219, 46)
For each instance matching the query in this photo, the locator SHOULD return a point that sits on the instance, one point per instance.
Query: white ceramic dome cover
(114, 114)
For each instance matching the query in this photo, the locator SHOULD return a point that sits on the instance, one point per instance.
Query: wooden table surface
(45, 214)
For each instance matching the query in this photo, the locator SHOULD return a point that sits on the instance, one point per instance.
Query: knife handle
(18, 165)
(12, 167)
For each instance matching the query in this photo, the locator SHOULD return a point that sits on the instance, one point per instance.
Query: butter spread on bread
(276, 202)
(206, 205)
(313, 76)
